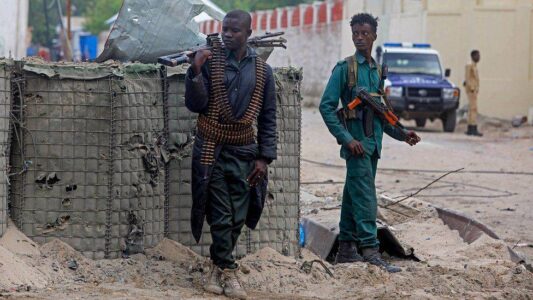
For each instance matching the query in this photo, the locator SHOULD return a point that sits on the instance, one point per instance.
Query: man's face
(235, 33)
(476, 57)
(363, 37)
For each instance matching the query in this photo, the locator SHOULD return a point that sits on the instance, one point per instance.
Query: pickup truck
(417, 87)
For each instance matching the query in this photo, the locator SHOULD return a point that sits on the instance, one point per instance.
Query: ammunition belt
(219, 126)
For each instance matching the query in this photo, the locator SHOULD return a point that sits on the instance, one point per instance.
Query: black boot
(373, 257)
(347, 253)
(475, 132)
(470, 130)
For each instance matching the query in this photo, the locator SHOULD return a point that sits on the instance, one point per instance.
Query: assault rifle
(382, 111)
(266, 40)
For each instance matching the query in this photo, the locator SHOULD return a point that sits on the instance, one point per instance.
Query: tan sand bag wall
(278, 227)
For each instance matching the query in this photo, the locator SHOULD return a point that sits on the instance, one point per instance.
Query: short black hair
(474, 52)
(364, 18)
(241, 15)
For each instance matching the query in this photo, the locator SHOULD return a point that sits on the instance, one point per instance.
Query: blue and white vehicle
(416, 85)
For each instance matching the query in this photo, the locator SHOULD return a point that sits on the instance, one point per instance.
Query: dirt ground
(449, 268)
(504, 202)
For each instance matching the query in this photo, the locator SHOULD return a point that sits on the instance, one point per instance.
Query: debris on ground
(451, 268)
(517, 121)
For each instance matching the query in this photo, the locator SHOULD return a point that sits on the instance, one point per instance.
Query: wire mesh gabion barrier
(90, 140)
(101, 159)
(278, 226)
(5, 109)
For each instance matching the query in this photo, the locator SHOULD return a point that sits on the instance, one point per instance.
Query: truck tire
(420, 122)
(449, 119)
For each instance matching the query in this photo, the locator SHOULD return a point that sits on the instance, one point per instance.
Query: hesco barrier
(91, 139)
(102, 157)
(5, 109)
(278, 227)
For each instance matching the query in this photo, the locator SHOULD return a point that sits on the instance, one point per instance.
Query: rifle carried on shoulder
(266, 40)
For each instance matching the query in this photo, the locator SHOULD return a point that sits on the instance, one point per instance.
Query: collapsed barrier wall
(5, 109)
(278, 226)
(93, 168)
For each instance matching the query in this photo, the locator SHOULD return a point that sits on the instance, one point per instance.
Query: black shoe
(470, 130)
(347, 253)
(475, 132)
(372, 256)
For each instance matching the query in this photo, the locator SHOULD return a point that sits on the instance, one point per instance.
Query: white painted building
(13, 29)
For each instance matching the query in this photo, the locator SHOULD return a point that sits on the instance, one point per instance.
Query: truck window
(413, 63)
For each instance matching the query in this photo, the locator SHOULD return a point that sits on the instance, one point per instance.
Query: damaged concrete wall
(278, 226)
(5, 109)
(82, 124)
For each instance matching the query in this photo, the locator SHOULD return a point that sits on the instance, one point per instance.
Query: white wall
(501, 29)
(14, 16)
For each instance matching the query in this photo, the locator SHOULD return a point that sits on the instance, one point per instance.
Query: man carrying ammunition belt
(232, 91)
(360, 133)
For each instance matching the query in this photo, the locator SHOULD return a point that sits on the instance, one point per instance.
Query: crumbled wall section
(90, 142)
(278, 226)
(5, 110)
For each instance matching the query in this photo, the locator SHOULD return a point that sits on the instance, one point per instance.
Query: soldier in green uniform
(361, 144)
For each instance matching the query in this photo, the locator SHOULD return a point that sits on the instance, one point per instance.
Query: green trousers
(359, 202)
(229, 198)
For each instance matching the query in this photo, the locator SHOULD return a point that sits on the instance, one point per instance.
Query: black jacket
(240, 82)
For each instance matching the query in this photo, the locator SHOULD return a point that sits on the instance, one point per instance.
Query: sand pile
(451, 269)
(17, 242)
(271, 271)
(435, 243)
(173, 251)
(268, 273)
(17, 274)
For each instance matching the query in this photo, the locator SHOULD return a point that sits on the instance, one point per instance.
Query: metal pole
(69, 11)
(46, 31)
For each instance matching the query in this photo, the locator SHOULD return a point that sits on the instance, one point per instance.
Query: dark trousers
(229, 198)
(359, 202)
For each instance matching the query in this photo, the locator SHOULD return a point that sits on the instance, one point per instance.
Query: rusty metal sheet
(468, 228)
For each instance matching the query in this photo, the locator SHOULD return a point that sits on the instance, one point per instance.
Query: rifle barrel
(182, 57)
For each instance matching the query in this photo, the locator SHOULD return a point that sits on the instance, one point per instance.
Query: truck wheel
(420, 122)
(448, 121)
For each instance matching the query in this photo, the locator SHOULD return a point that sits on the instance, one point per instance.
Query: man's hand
(412, 138)
(198, 60)
(259, 172)
(356, 148)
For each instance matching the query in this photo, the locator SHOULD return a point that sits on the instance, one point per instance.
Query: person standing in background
(472, 89)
